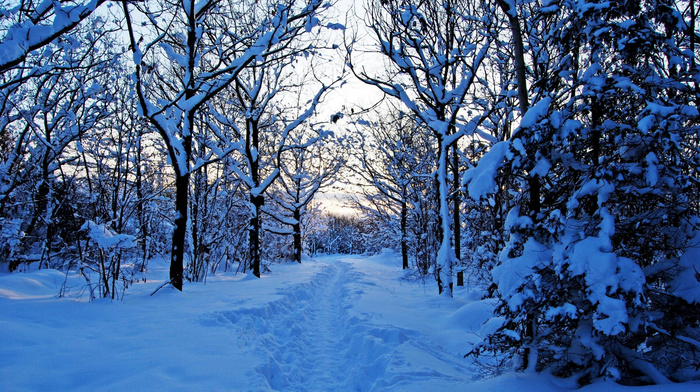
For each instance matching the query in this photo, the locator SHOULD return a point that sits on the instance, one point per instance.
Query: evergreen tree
(589, 275)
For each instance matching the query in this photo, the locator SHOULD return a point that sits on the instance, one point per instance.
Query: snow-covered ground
(337, 323)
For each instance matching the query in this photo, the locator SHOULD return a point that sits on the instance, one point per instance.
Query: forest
(545, 151)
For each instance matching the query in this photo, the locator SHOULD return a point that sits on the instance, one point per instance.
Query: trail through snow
(312, 341)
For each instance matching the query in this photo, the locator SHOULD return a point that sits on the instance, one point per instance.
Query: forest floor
(335, 323)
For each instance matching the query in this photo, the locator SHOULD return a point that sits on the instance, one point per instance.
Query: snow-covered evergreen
(584, 279)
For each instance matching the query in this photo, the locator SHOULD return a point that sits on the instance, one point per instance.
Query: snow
(330, 324)
(21, 38)
(173, 56)
(645, 124)
(536, 113)
(604, 272)
(481, 179)
(593, 186)
(652, 172)
(541, 168)
(686, 283)
(509, 276)
(200, 5)
(565, 311)
(409, 12)
(311, 23)
(660, 110)
(106, 238)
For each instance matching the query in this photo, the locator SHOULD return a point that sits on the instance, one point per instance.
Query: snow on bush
(105, 238)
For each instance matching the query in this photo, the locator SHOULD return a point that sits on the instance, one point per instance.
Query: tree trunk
(182, 174)
(182, 184)
(596, 122)
(456, 224)
(256, 200)
(254, 233)
(519, 55)
(194, 268)
(692, 36)
(297, 235)
(446, 253)
(404, 235)
(177, 255)
(143, 229)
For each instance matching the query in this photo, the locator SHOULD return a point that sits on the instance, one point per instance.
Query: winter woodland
(531, 164)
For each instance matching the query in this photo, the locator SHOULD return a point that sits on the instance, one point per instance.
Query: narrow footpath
(314, 340)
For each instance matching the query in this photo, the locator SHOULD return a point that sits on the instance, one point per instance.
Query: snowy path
(320, 363)
(313, 342)
(312, 360)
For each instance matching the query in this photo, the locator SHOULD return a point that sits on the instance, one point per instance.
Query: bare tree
(34, 24)
(435, 49)
(43, 117)
(268, 125)
(207, 45)
(391, 155)
(310, 164)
